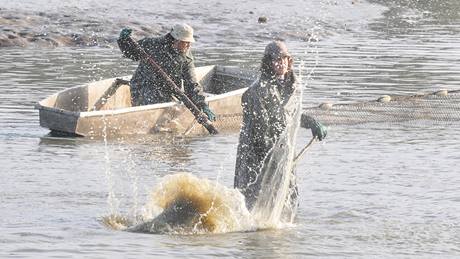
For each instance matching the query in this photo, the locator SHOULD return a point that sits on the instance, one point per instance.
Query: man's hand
(209, 113)
(125, 33)
(318, 130)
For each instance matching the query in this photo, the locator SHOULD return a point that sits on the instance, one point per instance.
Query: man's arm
(192, 88)
(128, 50)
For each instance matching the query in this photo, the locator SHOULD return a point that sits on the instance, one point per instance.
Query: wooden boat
(101, 109)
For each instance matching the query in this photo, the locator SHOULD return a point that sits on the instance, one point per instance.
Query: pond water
(372, 190)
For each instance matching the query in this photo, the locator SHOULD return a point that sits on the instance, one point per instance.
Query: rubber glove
(125, 33)
(318, 130)
(209, 113)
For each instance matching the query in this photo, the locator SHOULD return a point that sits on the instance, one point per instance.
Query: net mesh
(429, 108)
(435, 108)
(223, 123)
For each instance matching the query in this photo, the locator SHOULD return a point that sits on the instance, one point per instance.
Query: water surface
(366, 191)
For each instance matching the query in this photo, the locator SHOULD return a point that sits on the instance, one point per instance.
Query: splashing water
(277, 201)
(112, 200)
(185, 204)
(211, 208)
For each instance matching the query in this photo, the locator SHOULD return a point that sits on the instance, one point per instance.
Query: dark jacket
(266, 144)
(149, 87)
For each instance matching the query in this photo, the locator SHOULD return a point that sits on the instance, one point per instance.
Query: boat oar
(199, 115)
(297, 158)
(108, 93)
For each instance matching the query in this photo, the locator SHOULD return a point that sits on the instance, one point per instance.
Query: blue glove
(318, 130)
(125, 33)
(209, 113)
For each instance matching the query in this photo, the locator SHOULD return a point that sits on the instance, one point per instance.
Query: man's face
(182, 46)
(281, 65)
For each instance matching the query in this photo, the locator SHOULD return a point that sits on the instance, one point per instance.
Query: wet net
(223, 123)
(436, 108)
(229, 122)
(277, 201)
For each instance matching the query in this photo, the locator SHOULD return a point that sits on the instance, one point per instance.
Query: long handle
(297, 158)
(108, 93)
(200, 116)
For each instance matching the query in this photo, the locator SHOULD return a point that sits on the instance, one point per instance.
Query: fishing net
(223, 123)
(228, 122)
(277, 201)
(436, 108)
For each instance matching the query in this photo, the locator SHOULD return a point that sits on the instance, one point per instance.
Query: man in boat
(172, 53)
(271, 116)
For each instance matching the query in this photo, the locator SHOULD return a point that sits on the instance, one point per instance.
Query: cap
(183, 32)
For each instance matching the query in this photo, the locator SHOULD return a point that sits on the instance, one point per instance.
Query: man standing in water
(172, 53)
(271, 116)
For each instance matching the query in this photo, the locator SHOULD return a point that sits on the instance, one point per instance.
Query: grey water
(380, 191)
